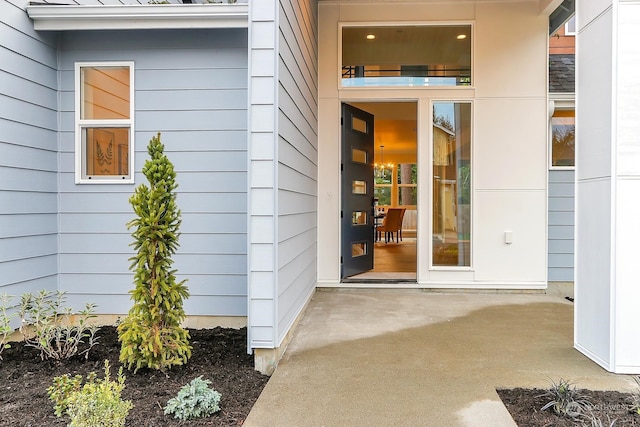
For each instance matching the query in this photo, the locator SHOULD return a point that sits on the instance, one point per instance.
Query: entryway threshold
(379, 281)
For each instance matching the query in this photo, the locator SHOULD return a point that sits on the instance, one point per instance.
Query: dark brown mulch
(606, 406)
(218, 355)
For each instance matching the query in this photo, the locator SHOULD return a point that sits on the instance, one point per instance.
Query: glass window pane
(452, 184)
(104, 93)
(383, 175)
(358, 156)
(359, 187)
(563, 141)
(407, 173)
(358, 124)
(408, 196)
(359, 218)
(358, 249)
(106, 151)
(383, 194)
(428, 55)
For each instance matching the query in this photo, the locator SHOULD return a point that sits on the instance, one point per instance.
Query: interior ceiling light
(461, 36)
(370, 36)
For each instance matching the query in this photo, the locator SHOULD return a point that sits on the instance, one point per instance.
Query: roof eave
(135, 17)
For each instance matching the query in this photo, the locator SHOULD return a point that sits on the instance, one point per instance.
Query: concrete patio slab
(415, 358)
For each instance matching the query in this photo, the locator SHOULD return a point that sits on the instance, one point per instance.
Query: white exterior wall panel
(197, 100)
(607, 185)
(593, 271)
(28, 154)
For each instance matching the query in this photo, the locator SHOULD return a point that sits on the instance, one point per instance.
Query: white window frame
(80, 169)
(559, 102)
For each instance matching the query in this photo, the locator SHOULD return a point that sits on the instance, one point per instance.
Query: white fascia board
(134, 17)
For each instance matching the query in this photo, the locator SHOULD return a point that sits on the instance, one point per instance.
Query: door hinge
(341, 214)
(341, 167)
(341, 121)
(341, 261)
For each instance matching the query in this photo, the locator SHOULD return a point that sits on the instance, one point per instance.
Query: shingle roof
(562, 73)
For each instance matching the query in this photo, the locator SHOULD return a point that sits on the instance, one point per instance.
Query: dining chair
(392, 223)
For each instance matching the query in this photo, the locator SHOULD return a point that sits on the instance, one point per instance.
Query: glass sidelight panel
(451, 184)
(359, 218)
(358, 249)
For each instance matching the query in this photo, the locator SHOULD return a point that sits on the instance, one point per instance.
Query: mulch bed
(524, 406)
(218, 355)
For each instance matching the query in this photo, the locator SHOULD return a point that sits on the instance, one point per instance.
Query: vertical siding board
(199, 104)
(297, 157)
(561, 225)
(28, 160)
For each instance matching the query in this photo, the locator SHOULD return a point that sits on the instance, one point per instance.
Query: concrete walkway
(413, 358)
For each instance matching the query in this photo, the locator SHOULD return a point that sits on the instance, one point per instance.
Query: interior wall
(509, 139)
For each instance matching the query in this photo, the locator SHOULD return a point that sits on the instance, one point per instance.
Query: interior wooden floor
(392, 261)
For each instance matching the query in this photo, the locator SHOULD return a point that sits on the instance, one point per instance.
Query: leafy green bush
(151, 335)
(194, 400)
(566, 400)
(5, 323)
(54, 329)
(98, 402)
(60, 391)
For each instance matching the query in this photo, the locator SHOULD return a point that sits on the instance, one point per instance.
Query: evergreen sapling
(151, 335)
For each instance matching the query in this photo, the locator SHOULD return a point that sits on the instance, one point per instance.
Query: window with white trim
(570, 27)
(563, 139)
(405, 55)
(104, 122)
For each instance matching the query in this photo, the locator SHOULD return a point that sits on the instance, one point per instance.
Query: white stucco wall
(608, 184)
(509, 139)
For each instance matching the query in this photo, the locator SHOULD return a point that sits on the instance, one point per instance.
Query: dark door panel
(357, 221)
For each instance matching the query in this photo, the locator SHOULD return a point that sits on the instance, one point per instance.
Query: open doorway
(395, 192)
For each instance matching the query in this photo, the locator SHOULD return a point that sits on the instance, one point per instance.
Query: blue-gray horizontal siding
(561, 225)
(28, 154)
(190, 85)
(297, 158)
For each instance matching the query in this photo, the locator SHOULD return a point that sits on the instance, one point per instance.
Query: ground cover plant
(218, 355)
(605, 408)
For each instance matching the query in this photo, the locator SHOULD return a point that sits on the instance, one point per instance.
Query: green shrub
(151, 335)
(566, 400)
(60, 391)
(54, 329)
(5, 323)
(98, 402)
(194, 400)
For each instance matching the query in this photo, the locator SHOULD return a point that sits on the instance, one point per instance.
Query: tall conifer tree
(151, 335)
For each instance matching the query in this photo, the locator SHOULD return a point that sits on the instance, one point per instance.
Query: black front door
(357, 221)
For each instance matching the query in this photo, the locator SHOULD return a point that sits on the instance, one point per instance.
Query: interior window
(407, 184)
(428, 55)
(451, 184)
(104, 137)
